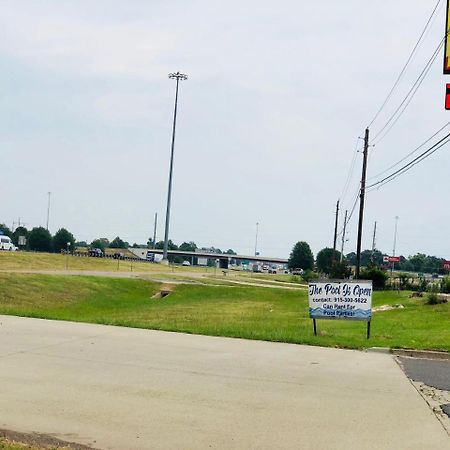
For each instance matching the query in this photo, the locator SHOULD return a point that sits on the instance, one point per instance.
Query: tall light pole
(154, 230)
(256, 239)
(395, 242)
(48, 208)
(174, 76)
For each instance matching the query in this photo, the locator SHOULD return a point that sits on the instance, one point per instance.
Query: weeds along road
(122, 388)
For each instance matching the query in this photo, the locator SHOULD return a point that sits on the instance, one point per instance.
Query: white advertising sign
(340, 299)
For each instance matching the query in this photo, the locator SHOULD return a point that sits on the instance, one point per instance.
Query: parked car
(186, 263)
(297, 271)
(119, 255)
(272, 270)
(96, 253)
(7, 244)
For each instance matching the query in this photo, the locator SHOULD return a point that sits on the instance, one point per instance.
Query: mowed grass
(53, 261)
(234, 311)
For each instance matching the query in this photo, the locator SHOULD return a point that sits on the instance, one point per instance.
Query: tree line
(331, 263)
(40, 239)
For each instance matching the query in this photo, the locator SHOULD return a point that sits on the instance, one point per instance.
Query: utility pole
(361, 202)
(154, 230)
(374, 240)
(374, 236)
(335, 232)
(343, 235)
(48, 208)
(174, 76)
(395, 242)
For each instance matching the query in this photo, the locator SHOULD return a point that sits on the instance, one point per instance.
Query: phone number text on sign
(340, 300)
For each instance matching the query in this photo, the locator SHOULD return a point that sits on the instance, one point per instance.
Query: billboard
(340, 300)
(391, 259)
(446, 265)
(447, 43)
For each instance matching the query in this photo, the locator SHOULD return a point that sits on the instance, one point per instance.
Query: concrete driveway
(119, 388)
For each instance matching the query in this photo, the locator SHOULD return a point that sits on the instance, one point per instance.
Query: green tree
(60, 240)
(351, 258)
(40, 240)
(324, 259)
(340, 270)
(118, 243)
(5, 230)
(101, 243)
(170, 245)
(419, 262)
(188, 247)
(301, 257)
(19, 231)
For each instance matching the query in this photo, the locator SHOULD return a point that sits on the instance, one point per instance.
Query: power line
(410, 153)
(350, 172)
(402, 72)
(412, 163)
(410, 95)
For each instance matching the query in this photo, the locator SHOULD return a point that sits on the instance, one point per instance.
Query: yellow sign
(447, 43)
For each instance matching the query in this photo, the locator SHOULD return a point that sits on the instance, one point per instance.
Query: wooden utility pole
(335, 232)
(361, 203)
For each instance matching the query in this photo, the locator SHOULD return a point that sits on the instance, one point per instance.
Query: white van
(6, 243)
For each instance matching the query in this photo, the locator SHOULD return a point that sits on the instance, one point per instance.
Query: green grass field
(53, 261)
(234, 311)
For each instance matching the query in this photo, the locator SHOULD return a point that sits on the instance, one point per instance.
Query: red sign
(447, 97)
(446, 265)
(391, 259)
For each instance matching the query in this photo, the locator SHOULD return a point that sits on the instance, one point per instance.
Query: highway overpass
(222, 257)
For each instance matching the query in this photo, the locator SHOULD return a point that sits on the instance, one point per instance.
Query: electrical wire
(409, 154)
(350, 172)
(445, 140)
(402, 72)
(410, 95)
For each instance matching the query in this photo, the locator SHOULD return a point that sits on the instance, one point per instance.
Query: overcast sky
(277, 95)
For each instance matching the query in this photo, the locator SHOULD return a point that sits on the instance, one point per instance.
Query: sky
(277, 99)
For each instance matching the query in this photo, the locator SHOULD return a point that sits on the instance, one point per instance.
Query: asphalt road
(432, 372)
(122, 388)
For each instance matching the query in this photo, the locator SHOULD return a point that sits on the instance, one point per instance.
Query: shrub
(378, 277)
(309, 275)
(445, 286)
(433, 298)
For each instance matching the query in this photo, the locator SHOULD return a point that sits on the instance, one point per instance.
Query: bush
(445, 286)
(309, 275)
(340, 270)
(378, 277)
(433, 298)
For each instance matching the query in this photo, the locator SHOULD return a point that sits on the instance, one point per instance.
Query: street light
(256, 239)
(67, 256)
(174, 76)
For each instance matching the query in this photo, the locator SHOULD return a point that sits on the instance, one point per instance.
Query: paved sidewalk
(119, 388)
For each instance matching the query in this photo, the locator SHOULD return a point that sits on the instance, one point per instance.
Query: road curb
(421, 354)
(425, 354)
